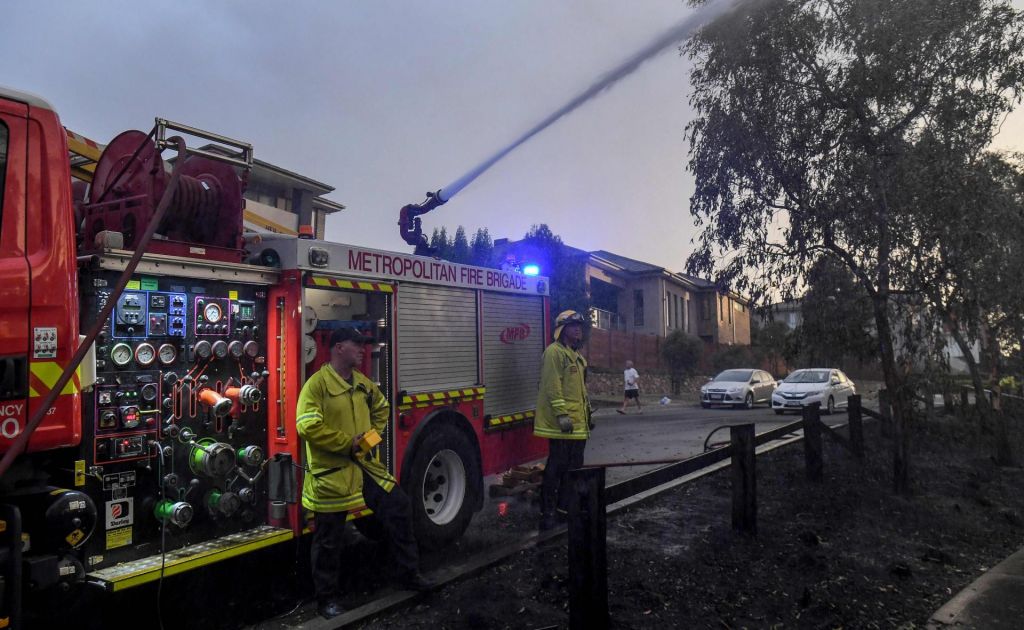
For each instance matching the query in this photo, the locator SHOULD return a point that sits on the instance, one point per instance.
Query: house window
(730, 305)
(721, 308)
(705, 307)
(638, 308)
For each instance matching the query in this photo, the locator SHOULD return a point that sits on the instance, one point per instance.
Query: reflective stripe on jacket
(330, 414)
(563, 392)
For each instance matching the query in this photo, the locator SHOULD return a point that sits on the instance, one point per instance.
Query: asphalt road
(674, 431)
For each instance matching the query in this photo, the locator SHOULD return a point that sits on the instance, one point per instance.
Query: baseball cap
(349, 334)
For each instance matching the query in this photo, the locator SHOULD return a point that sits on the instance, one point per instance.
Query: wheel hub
(444, 487)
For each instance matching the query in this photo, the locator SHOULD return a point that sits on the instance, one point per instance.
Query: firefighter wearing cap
(337, 405)
(563, 413)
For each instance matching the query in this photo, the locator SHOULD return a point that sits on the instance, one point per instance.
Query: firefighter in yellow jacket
(337, 405)
(563, 414)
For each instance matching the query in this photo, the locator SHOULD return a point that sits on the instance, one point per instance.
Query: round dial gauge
(121, 354)
(145, 354)
(203, 349)
(213, 313)
(251, 348)
(167, 354)
(220, 349)
(235, 348)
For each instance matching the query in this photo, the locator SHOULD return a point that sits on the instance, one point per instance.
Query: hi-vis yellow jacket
(330, 414)
(562, 392)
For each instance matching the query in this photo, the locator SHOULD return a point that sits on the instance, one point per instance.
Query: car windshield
(734, 376)
(808, 376)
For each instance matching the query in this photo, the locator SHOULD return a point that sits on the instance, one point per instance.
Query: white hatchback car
(827, 386)
(741, 388)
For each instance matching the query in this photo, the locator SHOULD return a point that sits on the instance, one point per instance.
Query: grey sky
(385, 100)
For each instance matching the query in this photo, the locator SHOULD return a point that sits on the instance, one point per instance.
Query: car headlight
(735, 390)
(818, 392)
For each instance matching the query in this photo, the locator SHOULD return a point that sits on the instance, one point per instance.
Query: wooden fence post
(588, 561)
(812, 441)
(885, 408)
(856, 425)
(744, 479)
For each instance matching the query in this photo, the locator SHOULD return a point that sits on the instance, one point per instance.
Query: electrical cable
(163, 536)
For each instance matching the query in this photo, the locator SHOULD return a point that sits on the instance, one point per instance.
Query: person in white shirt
(632, 380)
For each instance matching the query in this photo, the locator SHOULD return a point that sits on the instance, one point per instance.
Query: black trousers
(563, 456)
(393, 510)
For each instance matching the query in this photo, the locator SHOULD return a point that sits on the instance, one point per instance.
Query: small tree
(482, 248)
(681, 353)
(732, 357)
(568, 280)
(773, 339)
(460, 247)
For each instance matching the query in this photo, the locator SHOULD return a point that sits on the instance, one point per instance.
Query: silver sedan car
(738, 388)
(827, 386)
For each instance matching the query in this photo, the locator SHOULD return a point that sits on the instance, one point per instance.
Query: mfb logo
(513, 334)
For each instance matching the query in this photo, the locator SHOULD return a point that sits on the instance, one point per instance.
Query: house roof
(628, 264)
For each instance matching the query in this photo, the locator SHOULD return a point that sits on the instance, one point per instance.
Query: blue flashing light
(531, 270)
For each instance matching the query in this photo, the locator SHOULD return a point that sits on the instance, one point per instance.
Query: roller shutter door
(437, 338)
(513, 329)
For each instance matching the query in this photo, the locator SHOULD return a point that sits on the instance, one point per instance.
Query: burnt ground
(845, 552)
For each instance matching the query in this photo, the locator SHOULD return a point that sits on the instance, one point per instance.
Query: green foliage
(772, 341)
(837, 320)
(812, 118)
(482, 248)
(681, 353)
(729, 357)
(566, 271)
(460, 247)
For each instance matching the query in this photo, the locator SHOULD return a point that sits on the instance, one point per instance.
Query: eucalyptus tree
(805, 113)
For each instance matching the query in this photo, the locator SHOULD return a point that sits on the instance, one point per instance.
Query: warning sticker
(120, 513)
(75, 537)
(119, 538)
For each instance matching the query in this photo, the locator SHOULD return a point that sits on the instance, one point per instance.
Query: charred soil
(845, 552)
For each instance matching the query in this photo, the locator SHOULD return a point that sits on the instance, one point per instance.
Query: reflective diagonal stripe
(47, 373)
(512, 418)
(422, 400)
(360, 285)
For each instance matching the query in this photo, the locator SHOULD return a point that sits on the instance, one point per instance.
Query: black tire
(442, 504)
(830, 407)
(779, 412)
(370, 527)
(748, 402)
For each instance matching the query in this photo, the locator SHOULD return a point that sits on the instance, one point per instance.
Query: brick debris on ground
(843, 553)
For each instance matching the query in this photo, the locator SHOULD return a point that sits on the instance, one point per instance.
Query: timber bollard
(812, 441)
(744, 479)
(856, 425)
(885, 408)
(588, 560)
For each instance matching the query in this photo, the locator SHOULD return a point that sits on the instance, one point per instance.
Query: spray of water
(668, 39)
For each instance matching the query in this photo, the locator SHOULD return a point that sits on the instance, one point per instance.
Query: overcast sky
(385, 100)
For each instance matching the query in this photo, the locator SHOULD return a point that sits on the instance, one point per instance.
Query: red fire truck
(151, 354)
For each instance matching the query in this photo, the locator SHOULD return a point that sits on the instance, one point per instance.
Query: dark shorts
(632, 393)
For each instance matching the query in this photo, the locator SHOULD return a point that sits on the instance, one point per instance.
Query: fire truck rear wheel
(441, 487)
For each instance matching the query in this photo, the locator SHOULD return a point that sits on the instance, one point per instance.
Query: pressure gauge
(203, 349)
(121, 354)
(251, 349)
(145, 354)
(220, 349)
(308, 348)
(235, 348)
(167, 354)
(212, 312)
